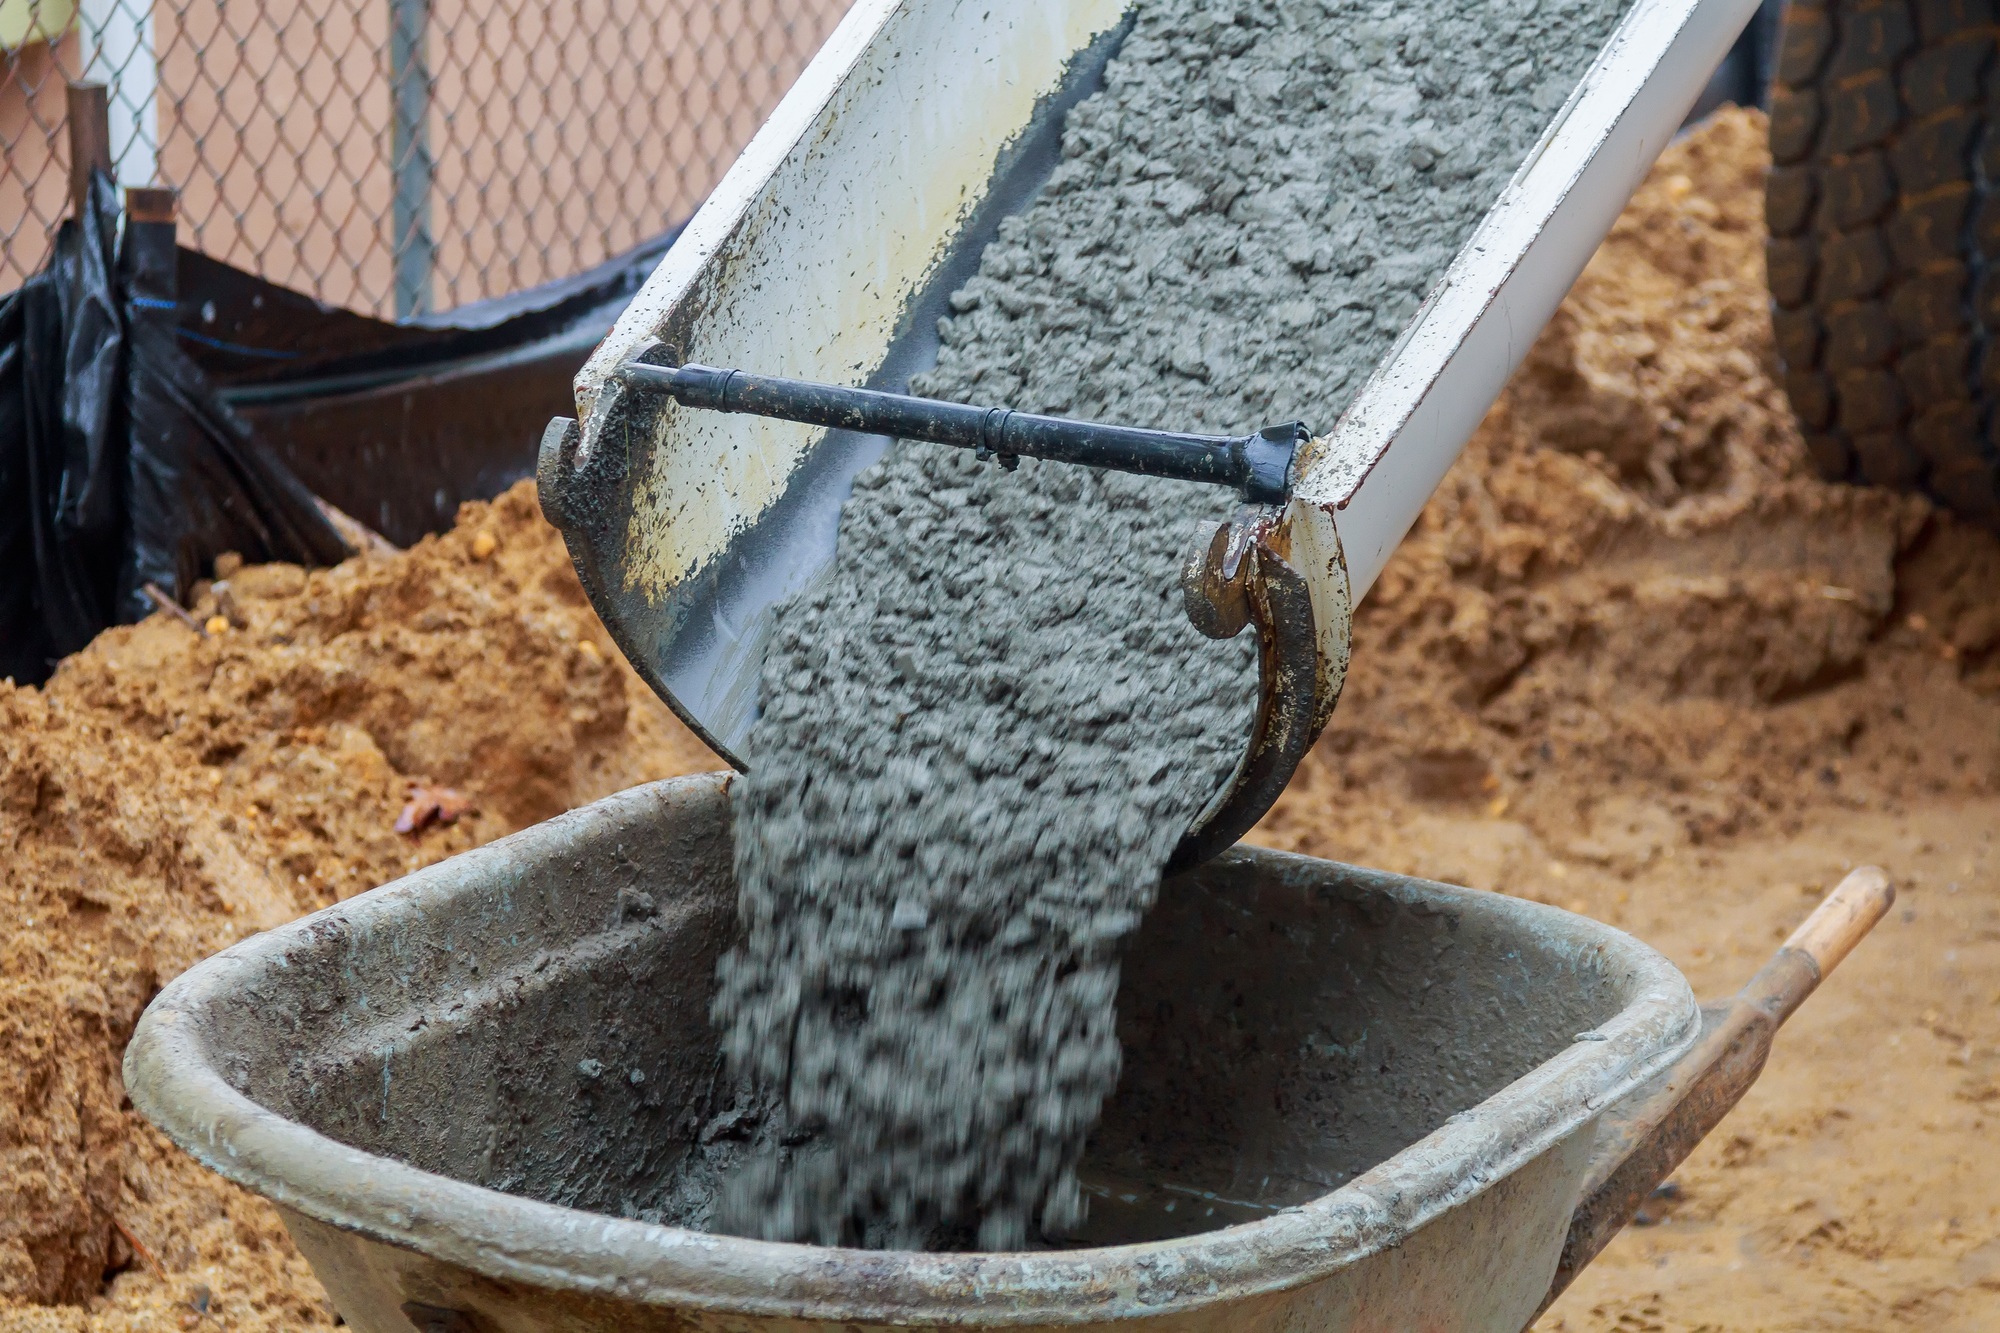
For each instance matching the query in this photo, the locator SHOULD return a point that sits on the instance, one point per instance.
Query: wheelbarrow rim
(177, 1080)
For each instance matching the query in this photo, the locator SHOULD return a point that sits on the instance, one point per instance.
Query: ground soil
(1633, 660)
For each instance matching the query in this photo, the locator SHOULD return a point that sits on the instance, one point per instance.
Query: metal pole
(410, 161)
(1258, 465)
(117, 51)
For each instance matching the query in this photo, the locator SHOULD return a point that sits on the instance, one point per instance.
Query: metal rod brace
(1258, 465)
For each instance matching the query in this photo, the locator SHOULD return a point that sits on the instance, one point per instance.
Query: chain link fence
(397, 157)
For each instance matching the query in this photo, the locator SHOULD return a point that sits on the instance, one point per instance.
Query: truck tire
(1883, 205)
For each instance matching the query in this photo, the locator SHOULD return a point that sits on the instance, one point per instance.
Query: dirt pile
(167, 793)
(1631, 618)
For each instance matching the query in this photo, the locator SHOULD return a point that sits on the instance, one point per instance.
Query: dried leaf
(430, 804)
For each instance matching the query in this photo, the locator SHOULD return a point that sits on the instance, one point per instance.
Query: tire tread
(1884, 251)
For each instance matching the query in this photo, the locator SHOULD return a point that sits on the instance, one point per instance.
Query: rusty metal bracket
(1237, 575)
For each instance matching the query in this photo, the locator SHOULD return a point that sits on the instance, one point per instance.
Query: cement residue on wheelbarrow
(1717, 655)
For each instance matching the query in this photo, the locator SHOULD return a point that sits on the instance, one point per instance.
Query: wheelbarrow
(486, 1098)
(722, 422)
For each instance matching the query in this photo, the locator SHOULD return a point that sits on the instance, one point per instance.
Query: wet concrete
(986, 729)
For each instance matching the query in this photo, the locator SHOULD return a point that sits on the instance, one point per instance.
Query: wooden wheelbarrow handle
(1644, 1138)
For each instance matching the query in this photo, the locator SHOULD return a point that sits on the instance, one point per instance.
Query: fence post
(89, 125)
(411, 164)
(152, 274)
(117, 42)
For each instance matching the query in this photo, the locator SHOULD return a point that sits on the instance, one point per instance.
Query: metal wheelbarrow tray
(466, 1090)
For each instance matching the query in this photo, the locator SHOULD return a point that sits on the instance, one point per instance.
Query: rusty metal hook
(1237, 575)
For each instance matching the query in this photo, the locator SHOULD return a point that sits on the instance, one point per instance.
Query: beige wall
(562, 132)
(633, 109)
(34, 182)
(274, 125)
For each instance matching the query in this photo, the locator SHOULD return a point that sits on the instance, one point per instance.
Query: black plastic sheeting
(399, 423)
(159, 407)
(119, 464)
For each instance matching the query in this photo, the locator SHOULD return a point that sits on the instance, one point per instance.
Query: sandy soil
(1857, 1186)
(1633, 660)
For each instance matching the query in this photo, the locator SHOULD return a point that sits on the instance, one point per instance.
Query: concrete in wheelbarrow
(454, 1086)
